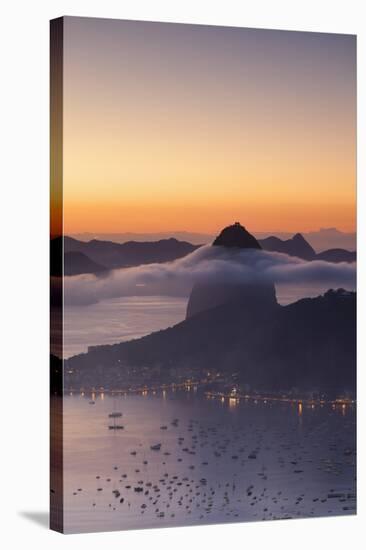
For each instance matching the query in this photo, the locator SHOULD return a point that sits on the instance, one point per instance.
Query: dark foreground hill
(309, 344)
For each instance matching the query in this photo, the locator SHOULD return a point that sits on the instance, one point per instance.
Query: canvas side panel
(56, 275)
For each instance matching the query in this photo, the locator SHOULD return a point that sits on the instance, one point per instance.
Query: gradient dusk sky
(183, 127)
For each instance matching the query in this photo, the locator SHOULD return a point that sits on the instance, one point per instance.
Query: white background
(24, 269)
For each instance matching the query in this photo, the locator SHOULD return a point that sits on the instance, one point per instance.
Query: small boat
(156, 447)
(91, 402)
(115, 415)
(163, 427)
(116, 427)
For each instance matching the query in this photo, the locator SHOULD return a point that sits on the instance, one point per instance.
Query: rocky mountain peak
(236, 236)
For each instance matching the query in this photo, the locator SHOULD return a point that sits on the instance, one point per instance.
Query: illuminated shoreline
(232, 397)
(278, 399)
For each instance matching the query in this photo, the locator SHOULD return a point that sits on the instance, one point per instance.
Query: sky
(183, 127)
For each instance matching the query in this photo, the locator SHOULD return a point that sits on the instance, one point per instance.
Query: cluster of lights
(234, 396)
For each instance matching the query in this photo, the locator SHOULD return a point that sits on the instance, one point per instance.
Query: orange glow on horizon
(113, 217)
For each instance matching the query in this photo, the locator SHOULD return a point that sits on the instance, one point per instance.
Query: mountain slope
(76, 263)
(298, 246)
(236, 236)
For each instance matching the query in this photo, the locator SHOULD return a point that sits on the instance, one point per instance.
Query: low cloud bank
(207, 263)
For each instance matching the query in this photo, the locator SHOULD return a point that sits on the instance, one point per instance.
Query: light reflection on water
(119, 319)
(212, 452)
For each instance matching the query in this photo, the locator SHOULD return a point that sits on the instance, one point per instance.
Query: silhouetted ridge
(299, 237)
(236, 236)
(110, 255)
(76, 263)
(337, 255)
(296, 246)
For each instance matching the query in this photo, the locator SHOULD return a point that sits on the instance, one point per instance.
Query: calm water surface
(120, 319)
(218, 462)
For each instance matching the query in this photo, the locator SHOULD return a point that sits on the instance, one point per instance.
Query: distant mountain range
(299, 247)
(307, 344)
(329, 238)
(320, 240)
(296, 246)
(97, 256)
(337, 255)
(187, 236)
